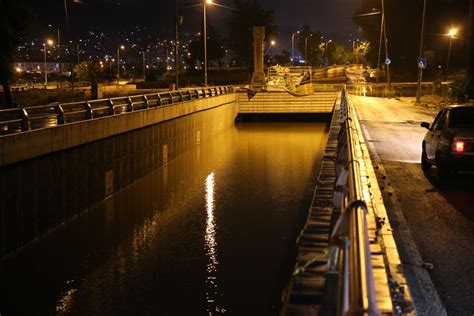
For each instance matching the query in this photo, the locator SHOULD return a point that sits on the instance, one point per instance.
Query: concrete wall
(283, 102)
(48, 176)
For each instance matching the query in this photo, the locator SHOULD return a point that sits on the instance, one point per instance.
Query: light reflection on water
(212, 293)
(210, 233)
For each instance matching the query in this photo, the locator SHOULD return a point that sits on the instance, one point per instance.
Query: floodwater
(211, 233)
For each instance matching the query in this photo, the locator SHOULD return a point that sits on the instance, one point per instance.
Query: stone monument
(258, 77)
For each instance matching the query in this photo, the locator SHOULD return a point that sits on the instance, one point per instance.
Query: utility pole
(471, 50)
(205, 47)
(144, 66)
(387, 67)
(382, 25)
(178, 22)
(60, 61)
(420, 55)
(69, 43)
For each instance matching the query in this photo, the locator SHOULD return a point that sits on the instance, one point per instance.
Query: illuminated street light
(420, 54)
(208, 2)
(452, 35)
(272, 43)
(204, 5)
(50, 43)
(121, 47)
(293, 46)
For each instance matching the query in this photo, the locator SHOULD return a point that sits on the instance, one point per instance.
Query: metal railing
(29, 118)
(351, 257)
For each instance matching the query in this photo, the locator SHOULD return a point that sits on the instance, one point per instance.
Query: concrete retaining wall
(283, 102)
(50, 175)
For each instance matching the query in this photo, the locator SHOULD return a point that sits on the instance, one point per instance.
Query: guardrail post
(158, 100)
(90, 113)
(180, 96)
(145, 102)
(171, 97)
(190, 95)
(61, 118)
(129, 104)
(25, 120)
(110, 103)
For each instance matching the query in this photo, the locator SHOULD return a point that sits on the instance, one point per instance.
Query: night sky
(331, 17)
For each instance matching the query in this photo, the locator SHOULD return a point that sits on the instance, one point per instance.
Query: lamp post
(144, 66)
(452, 34)
(205, 40)
(326, 51)
(420, 69)
(293, 46)
(50, 43)
(59, 58)
(306, 49)
(118, 63)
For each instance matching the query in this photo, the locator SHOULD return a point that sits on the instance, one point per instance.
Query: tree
(361, 52)
(314, 40)
(215, 48)
(338, 54)
(15, 19)
(403, 26)
(283, 58)
(249, 13)
(90, 71)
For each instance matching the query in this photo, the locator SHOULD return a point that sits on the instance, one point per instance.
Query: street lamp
(420, 55)
(59, 58)
(272, 43)
(293, 46)
(121, 47)
(208, 2)
(326, 51)
(50, 43)
(452, 34)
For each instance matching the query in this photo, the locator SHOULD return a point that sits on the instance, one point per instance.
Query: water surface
(211, 233)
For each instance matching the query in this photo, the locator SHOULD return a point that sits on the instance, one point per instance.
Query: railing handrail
(357, 290)
(22, 120)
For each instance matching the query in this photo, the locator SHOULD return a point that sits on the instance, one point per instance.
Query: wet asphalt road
(440, 217)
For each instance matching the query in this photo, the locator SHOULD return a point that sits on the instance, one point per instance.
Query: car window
(439, 122)
(462, 118)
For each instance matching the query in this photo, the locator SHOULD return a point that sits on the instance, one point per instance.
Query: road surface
(433, 223)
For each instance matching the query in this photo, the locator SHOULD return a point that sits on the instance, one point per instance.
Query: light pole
(306, 49)
(205, 40)
(118, 63)
(178, 22)
(326, 51)
(293, 46)
(59, 58)
(452, 34)
(420, 69)
(272, 43)
(144, 66)
(50, 43)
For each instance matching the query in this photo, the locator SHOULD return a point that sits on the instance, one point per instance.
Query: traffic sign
(422, 63)
(388, 61)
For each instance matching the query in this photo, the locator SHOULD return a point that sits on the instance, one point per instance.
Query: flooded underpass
(211, 232)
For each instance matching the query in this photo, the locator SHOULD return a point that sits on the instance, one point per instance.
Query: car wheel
(442, 171)
(425, 165)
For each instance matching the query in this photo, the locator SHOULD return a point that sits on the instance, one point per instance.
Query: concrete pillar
(258, 77)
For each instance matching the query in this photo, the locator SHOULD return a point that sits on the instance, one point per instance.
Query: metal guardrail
(30, 118)
(351, 256)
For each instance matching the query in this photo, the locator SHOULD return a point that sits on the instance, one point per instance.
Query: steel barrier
(351, 257)
(19, 120)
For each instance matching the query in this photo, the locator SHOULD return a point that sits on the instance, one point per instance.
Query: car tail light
(458, 146)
